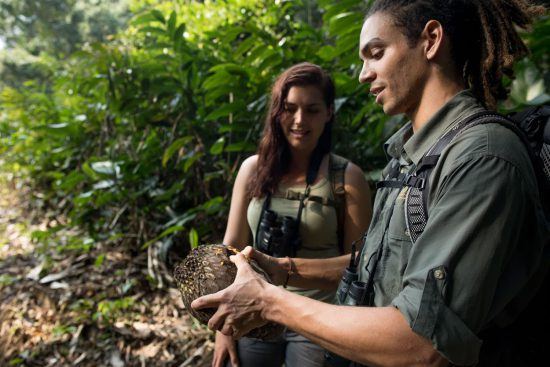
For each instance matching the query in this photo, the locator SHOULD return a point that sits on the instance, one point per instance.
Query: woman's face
(304, 117)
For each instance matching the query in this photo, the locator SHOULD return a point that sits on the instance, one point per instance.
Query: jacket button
(439, 274)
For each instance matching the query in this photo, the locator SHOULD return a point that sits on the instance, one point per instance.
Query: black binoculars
(278, 237)
(350, 275)
(357, 294)
(351, 292)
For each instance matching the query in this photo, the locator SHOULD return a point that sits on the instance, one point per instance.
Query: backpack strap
(337, 170)
(416, 202)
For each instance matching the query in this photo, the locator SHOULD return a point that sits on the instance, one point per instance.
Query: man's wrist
(271, 298)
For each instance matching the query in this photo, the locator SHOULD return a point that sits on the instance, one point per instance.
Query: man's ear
(432, 35)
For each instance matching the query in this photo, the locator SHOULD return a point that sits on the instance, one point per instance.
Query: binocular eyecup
(350, 275)
(356, 294)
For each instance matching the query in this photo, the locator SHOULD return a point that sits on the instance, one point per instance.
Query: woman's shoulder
(249, 165)
(353, 174)
(352, 170)
(250, 162)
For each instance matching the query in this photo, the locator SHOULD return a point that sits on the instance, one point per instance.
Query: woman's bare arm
(358, 211)
(237, 232)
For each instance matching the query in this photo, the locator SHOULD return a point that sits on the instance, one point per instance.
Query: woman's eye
(290, 109)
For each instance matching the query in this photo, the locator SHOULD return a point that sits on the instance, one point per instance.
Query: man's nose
(367, 75)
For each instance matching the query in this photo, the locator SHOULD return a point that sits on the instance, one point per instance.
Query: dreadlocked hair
(483, 36)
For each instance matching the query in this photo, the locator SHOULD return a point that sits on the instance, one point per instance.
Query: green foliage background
(135, 129)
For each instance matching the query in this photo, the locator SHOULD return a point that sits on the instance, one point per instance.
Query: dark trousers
(291, 349)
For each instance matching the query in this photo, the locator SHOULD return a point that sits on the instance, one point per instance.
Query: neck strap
(313, 167)
(312, 171)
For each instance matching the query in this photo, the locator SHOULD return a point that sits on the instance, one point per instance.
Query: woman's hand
(276, 268)
(225, 346)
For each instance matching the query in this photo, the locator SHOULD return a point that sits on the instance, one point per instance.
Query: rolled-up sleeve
(454, 274)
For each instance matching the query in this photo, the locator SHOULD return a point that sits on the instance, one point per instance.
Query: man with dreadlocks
(437, 300)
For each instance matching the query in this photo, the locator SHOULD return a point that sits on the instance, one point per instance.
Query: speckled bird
(206, 270)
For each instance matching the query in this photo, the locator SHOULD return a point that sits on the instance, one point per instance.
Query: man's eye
(377, 54)
(314, 110)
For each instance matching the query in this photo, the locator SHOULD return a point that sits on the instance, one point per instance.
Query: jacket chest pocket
(398, 244)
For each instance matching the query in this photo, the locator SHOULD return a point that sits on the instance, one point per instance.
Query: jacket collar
(412, 147)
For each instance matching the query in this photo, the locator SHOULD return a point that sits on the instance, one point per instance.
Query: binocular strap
(312, 171)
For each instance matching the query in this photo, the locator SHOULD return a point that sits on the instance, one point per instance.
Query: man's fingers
(248, 252)
(217, 320)
(261, 258)
(239, 260)
(233, 354)
(219, 358)
(209, 301)
(227, 329)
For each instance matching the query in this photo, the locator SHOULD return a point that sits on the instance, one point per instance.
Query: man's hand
(276, 268)
(240, 306)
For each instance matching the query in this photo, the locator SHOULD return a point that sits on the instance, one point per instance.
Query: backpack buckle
(415, 181)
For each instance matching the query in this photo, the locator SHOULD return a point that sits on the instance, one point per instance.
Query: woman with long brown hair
(295, 198)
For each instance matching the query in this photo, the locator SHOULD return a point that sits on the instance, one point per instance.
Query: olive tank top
(318, 226)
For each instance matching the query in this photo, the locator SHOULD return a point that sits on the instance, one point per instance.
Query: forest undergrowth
(61, 307)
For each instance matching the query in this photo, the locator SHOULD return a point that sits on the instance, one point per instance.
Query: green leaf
(245, 45)
(346, 23)
(191, 160)
(153, 30)
(172, 23)
(217, 147)
(174, 147)
(193, 238)
(226, 110)
(99, 260)
(158, 15)
(182, 220)
(165, 233)
(213, 205)
(217, 80)
(70, 181)
(243, 146)
(327, 52)
(144, 18)
(89, 171)
(16, 361)
(231, 69)
(334, 8)
(178, 36)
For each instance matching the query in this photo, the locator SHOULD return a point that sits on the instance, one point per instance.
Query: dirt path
(76, 302)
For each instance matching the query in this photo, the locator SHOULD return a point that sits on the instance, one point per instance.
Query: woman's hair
(482, 33)
(273, 150)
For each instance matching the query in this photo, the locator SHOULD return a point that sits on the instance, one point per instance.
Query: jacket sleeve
(468, 260)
